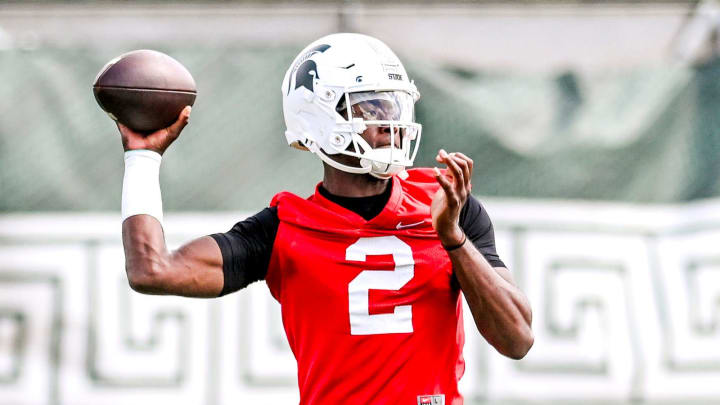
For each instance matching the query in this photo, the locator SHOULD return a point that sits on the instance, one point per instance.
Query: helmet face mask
(378, 129)
(391, 135)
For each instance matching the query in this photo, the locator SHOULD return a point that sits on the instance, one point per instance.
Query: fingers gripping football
(455, 188)
(157, 141)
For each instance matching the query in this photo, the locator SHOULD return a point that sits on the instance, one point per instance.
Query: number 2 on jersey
(361, 322)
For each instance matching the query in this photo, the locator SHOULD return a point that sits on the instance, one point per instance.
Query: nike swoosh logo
(400, 225)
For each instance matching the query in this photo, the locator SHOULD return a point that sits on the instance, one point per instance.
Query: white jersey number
(361, 322)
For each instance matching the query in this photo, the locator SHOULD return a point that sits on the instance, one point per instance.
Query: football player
(369, 269)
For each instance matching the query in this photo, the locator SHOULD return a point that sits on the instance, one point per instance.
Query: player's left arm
(501, 311)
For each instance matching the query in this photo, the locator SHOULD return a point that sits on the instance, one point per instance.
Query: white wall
(625, 301)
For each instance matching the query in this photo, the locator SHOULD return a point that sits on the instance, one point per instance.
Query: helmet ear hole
(328, 95)
(339, 141)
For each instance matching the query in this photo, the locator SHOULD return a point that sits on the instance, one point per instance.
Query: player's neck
(344, 184)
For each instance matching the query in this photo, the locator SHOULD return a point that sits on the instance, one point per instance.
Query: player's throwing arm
(195, 269)
(143, 91)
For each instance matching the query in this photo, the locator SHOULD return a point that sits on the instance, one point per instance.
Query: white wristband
(141, 184)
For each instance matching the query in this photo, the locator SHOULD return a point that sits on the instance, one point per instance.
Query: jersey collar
(386, 218)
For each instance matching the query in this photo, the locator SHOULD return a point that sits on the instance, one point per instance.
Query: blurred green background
(553, 99)
(646, 135)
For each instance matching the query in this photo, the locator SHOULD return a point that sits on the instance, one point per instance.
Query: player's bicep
(196, 269)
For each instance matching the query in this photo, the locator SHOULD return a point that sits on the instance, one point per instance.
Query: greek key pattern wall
(626, 303)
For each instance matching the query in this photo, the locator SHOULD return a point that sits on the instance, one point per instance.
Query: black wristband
(458, 246)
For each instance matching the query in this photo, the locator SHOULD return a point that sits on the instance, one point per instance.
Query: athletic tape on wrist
(141, 185)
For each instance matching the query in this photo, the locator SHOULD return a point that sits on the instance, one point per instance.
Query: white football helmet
(359, 71)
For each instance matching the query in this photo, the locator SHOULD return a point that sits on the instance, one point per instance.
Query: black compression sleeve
(475, 222)
(246, 249)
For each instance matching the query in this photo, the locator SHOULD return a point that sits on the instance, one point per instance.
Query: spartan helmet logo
(305, 70)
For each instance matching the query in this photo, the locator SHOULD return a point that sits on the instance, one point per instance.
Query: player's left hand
(449, 200)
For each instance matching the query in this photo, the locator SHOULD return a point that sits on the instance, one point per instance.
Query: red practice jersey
(368, 307)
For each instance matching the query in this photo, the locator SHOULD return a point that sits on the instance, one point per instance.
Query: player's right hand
(157, 141)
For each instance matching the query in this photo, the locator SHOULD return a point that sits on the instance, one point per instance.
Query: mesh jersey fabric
(368, 306)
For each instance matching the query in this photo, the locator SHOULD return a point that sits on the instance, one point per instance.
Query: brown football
(145, 90)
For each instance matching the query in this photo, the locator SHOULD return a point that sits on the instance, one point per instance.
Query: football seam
(144, 89)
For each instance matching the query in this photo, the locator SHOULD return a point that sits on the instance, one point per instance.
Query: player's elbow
(141, 284)
(520, 345)
(148, 279)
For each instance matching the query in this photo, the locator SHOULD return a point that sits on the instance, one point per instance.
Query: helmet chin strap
(376, 169)
(314, 148)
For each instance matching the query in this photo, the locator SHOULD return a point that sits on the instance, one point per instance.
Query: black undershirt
(247, 247)
(366, 207)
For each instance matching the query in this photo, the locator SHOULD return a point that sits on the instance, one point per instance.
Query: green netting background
(648, 135)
